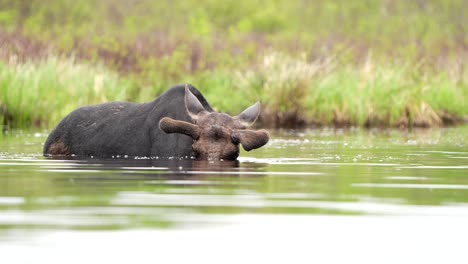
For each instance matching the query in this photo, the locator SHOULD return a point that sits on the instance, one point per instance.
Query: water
(327, 196)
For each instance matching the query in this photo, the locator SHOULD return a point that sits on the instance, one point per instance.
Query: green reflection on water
(298, 172)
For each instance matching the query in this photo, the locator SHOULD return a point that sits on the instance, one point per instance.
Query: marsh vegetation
(343, 63)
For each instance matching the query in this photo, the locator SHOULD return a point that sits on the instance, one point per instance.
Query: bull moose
(180, 123)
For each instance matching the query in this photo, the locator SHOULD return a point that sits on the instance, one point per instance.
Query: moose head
(216, 136)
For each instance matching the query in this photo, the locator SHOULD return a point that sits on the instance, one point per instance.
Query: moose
(180, 123)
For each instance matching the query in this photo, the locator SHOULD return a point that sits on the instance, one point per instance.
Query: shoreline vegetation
(326, 63)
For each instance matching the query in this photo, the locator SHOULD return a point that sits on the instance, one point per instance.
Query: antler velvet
(250, 139)
(170, 125)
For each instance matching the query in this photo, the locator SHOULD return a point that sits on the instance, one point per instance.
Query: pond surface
(329, 196)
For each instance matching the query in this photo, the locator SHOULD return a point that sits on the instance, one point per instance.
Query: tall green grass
(324, 92)
(41, 93)
(294, 91)
(324, 62)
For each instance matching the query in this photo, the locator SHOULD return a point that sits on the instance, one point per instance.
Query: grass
(342, 63)
(41, 94)
(294, 91)
(324, 92)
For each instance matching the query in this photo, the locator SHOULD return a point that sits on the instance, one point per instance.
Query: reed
(42, 93)
(343, 63)
(323, 92)
(294, 91)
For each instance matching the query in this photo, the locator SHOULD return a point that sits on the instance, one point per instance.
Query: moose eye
(235, 138)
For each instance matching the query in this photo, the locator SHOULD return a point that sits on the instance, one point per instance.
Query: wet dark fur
(122, 128)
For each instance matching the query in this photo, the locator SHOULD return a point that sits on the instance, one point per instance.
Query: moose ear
(250, 139)
(192, 104)
(249, 115)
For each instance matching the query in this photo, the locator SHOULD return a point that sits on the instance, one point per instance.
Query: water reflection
(319, 172)
(162, 168)
(338, 189)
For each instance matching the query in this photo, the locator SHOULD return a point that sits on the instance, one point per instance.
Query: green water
(338, 189)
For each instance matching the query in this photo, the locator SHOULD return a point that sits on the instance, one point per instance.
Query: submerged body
(131, 129)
